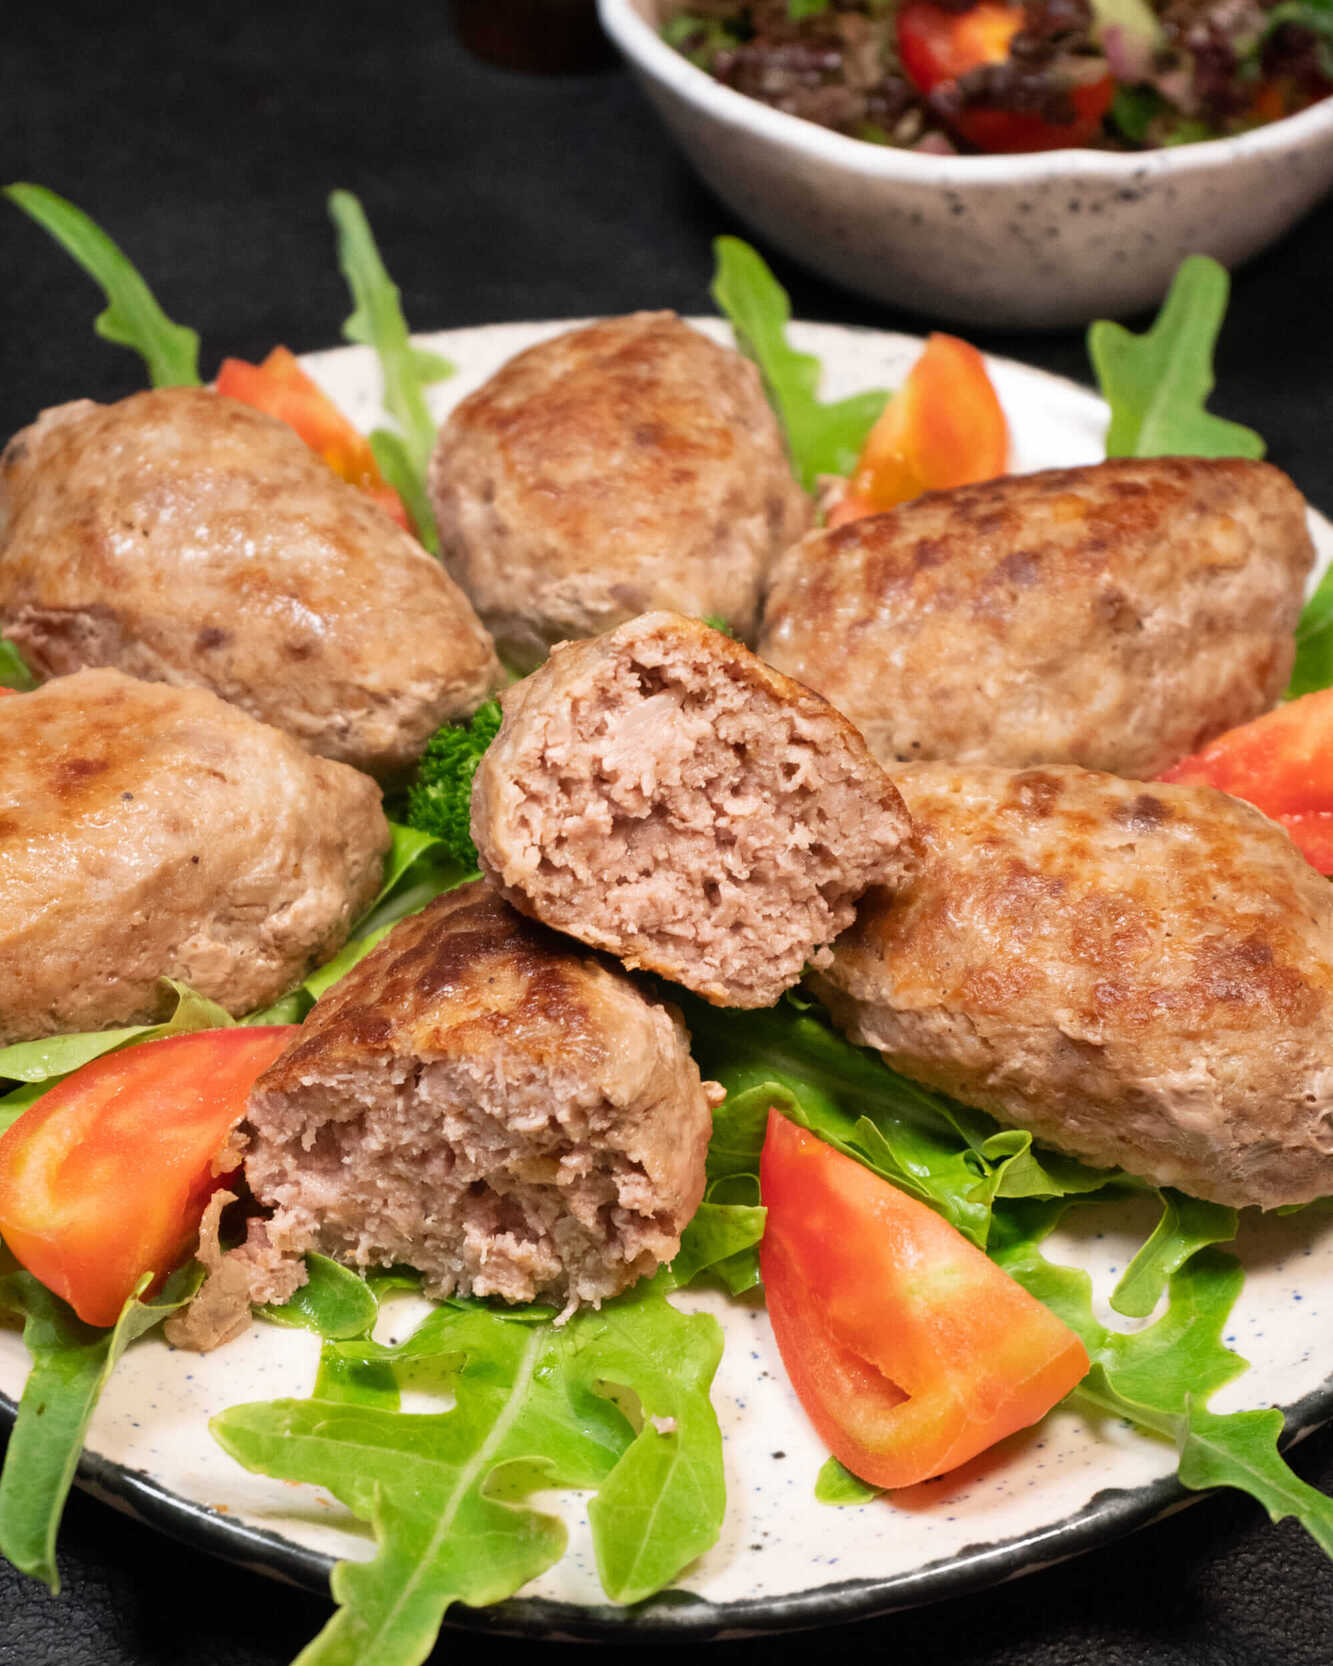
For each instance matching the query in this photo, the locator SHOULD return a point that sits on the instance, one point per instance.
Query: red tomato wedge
(944, 427)
(909, 1350)
(282, 389)
(1282, 763)
(106, 1177)
(938, 45)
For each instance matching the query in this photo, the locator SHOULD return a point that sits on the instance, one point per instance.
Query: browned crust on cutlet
(186, 538)
(1140, 974)
(149, 831)
(627, 465)
(463, 974)
(1116, 616)
(489, 1103)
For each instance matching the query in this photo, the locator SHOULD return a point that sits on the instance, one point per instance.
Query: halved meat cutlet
(661, 793)
(488, 1103)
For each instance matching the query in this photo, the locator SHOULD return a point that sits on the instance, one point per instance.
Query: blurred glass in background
(544, 37)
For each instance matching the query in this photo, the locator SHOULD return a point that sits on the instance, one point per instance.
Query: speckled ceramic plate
(783, 1560)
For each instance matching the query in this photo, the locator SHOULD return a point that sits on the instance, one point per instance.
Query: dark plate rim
(678, 1616)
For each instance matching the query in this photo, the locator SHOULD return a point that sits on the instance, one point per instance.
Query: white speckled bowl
(1048, 240)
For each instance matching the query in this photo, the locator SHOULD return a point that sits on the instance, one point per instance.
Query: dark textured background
(207, 143)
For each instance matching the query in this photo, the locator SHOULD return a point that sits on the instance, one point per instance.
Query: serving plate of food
(542, 1111)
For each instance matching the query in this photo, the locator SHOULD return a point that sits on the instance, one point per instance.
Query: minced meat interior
(694, 821)
(1105, 74)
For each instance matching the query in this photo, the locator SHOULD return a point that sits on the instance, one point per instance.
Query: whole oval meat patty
(489, 1104)
(629, 465)
(662, 793)
(1116, 616)
(1141, 975)
(148, 831)
(185, 538)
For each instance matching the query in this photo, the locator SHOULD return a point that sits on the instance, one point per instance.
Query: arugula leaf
(1157, 383)
(535, 1407)
(334, 1302)
(721, 1239)
(1161, 1378)
(396, 465)
(14, 672)
(953, 1158)
(132, 317)
(71, 1363)
(837, 1485)
(1240, 1450)
(57, 1055)
(408, 370)
(1187, 1224)
(822, 439)
(1313, 668)
(1007, 1197)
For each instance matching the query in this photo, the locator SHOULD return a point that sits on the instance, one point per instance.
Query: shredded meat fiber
(661, 793)
(488, 1103)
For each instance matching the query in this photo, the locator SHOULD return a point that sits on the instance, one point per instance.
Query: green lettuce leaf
(1313, 669)
(14, 672)
(836, 1485)
(1187, 1224)
(71, 1363)
(408, 370)
(615, 1400)
(132, 317)
(1162, 1377)
(1157, 383)
(957, 1160)
(822, 438)
(334, 1302)
(721, 1239)
(57, 1055)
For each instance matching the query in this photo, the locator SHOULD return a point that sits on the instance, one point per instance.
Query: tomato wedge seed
(910, 1351)
(105, 1178)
